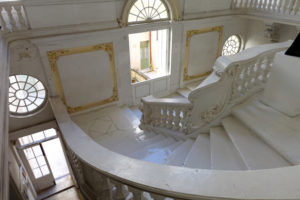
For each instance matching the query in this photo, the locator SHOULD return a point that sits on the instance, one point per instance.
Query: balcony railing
(12, 16)
(285, 7)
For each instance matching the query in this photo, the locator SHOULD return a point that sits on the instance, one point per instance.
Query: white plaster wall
(288, 32)
(66, 14)
(231, 25)
(196, 6)
(31, 65)
(255, 34)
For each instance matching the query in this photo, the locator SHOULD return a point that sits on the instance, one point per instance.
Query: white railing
(104, 175)
(12, 16)
(166, 113)
(240, 76)
(289, 7)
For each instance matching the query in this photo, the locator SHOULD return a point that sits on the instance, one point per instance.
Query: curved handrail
(177, 182)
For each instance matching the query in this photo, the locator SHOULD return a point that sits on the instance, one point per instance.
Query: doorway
(44, 158)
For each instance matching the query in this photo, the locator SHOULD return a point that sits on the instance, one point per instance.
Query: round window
(232, 45)
(26, 95)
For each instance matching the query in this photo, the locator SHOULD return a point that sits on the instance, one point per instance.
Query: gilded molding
(189, 35)
(53, 56)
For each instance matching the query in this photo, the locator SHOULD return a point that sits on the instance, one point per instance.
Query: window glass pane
(37, 173)
(28, 153)
(33, 163)
(45, 170)
(25, 140)
(23, 90)
(145, 10)
(38, 136)
(12, 79)
(50, 132)
(37, 151)
(41, 160)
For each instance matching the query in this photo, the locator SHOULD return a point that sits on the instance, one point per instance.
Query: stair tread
(224, 155)
(128, 141)
(199, 156)
(278, 130)
(184, 92)
(148, 152)
(255, 153)
(160, 155)
(178, 156)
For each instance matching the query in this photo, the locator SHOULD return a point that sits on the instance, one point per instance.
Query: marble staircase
(253, 137)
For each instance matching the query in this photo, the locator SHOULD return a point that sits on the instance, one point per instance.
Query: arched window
(148, 10)
(26, 95)
(232, 45)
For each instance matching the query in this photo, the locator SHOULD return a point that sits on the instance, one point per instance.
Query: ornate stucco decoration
(53, 56)
(189, 36)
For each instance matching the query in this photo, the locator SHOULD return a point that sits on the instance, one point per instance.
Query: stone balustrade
(103, 174)
(12, 16)
(288, 7)
(240, 76)
(172, 114)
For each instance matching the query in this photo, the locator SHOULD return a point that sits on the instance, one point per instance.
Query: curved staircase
(253, 137)
(221, 142)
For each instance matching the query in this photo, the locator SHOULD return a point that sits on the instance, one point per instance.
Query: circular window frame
(241, 44)
(172, 7)
(35, 111)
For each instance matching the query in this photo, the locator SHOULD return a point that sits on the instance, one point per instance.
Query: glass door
(35, 160)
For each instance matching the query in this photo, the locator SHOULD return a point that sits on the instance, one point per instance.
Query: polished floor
(69, 194)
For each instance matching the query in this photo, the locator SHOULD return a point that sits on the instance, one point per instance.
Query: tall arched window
(148, 10)
(149, 50)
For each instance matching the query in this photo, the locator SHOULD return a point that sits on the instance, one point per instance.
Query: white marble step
(160, 155)
(178, 156)
(199, 156)
(194, 85)
(184, 92)
(152, 151)
(136, 112)
(224, 156)
(255, 152)
(278, 130)
(126, 142)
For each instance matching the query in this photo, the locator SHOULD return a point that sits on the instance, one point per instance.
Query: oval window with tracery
(26, 94)
(232, 45)
(148, 10)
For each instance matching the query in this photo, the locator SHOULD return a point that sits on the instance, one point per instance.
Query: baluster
(244, 3)
(126, 192)
(233, 4)
(274, 5)
(265, 5)
(259, 5)
(253, 4)
(21, 19)
(137, 194)
(170, 117)
(118, 191)
(2, 21)
(177, 119)
(164, 116)
(270, 4)
(12, 21)
(284, 6)
(296, 7)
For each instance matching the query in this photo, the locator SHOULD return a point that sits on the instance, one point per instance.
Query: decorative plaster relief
(187, 60)
(53, 57)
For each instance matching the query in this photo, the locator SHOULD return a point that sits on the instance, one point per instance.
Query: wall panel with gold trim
(202, 48)
(85, 77)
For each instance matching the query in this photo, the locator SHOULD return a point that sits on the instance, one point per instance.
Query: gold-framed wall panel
(189, 35)
(53, 57)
